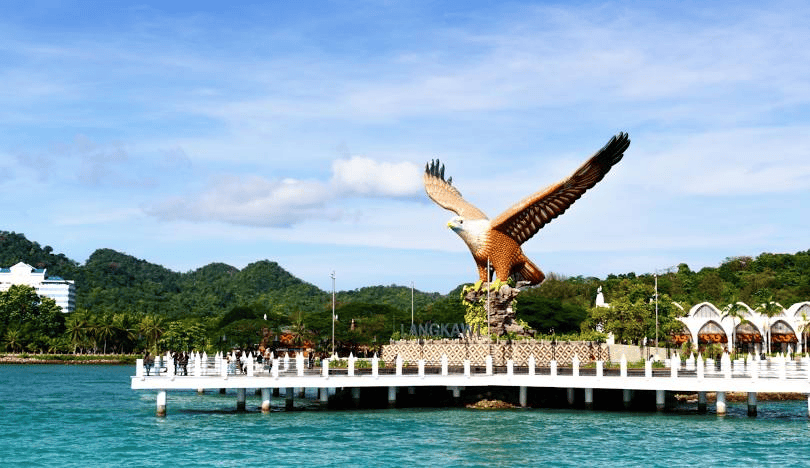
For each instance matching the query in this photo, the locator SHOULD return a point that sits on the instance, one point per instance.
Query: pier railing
(201, 365)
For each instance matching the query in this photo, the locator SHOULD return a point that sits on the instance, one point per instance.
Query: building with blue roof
(60, 290)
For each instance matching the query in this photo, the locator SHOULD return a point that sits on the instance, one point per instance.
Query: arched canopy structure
(781, 332)
(747, 332)
(789, 329)
(712, 332)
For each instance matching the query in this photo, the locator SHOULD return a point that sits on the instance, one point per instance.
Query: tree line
(125, 304)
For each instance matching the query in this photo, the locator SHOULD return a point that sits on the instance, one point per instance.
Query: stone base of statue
(501, 314)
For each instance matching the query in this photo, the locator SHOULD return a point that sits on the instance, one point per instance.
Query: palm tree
(105, 329)
(804, 329)
(126, 329)
(13, 339)
(769, 309)
(299, 331)
(152, 327)
(737, 311)
(77, 325)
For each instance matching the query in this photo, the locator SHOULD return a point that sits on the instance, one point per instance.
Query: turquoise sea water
(87, 416)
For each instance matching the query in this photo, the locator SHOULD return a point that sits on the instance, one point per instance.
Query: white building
(60, 290)
(755, 332)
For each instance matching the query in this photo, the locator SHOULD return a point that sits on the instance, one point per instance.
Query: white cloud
(257, 201)
(364, 176)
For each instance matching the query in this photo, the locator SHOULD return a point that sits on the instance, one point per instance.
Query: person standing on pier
(148, 362)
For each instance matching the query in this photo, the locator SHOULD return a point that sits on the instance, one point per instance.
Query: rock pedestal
(501, 313)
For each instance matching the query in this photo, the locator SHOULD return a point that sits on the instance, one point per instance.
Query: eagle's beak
(450, 225)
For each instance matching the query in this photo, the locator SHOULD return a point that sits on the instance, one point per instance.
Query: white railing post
(223, 368)
(139, 369)
(286, 362)
(575, 366)
(701, 367)
(325, 368)
(375, 366)
(466, 368)
(399, 365)
(553, 368)
(753, 368)
(170, 367)
(489, 364)
(782, 368)
(351, 364)
(275, 371)
(725, 365)
(599, 369)
(510, 368)
(198, 365)
(421, 364)
(648, 369)
(674, 363)
(249, 364)
(531, 364)
(623, 366)
(299, 364)
(444, 364)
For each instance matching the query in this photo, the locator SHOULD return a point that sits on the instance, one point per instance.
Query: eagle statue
(498, 240)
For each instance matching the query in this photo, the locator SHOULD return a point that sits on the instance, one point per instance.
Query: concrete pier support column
(240, 399)
(456, 392)
(288, 404)
(392, 396)
(702, 402)
(721, 403)
(627, 397)
(752, 403)
(523, 397)
(589, 398)
(302, 392)
(570, 395)
(660, 400)
(356, 396)
(161, 404)
(265, 400)
(324, 394)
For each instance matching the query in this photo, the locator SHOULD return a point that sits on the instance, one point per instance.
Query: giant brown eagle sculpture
(499, 239)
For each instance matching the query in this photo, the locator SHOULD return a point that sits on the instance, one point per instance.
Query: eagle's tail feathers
(529, 272)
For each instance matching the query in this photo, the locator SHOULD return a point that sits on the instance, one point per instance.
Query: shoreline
(740, 397)
(65, 359)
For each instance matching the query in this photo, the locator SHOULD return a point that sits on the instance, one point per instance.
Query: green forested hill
(114, 282)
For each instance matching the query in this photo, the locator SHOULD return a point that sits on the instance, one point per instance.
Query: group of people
(180, 363)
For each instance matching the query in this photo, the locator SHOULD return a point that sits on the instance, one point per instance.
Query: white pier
(752, 376)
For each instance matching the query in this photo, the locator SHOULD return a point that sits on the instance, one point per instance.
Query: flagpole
(488, 281)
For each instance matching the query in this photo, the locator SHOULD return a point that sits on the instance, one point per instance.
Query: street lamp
(333, 313)
(411, 304)
(656, 309)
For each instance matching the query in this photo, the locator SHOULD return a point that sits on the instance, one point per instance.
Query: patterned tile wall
(476, 351)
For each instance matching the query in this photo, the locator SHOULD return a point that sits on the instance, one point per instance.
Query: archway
(712, 332)
(747, 337)
(782, 336)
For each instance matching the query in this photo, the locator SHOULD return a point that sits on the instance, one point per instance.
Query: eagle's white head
(473, 231)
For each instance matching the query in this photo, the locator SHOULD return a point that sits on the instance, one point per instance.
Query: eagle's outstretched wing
(445, 195)
(525, 218)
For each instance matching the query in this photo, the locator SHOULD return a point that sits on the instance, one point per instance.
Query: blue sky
(185, 133)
